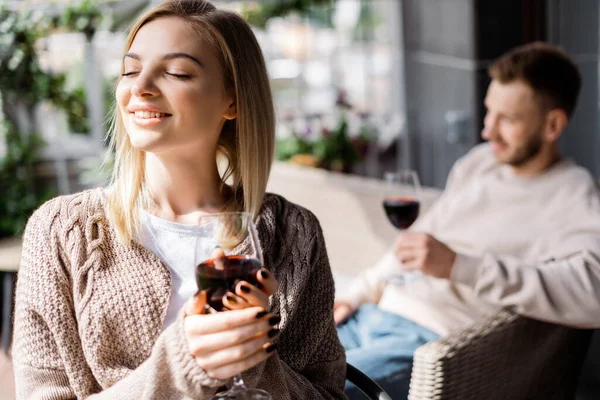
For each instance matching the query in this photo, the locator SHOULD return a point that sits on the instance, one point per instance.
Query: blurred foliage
(334, 149)
(23, 84)
(19, 196)
(293, 145)
(84, 17)
(22, 79)
(258, 14)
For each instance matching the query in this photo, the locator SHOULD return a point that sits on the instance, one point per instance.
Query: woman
(99, 315)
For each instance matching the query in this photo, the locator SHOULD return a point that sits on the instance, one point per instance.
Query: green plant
(21, 77)
(259, 14)
(19, 196)
(84, 17)
(333, 150)
(23, 84)
(295, 144)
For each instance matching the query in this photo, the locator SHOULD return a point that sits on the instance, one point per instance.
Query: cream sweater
(529, 244)
(89, 311)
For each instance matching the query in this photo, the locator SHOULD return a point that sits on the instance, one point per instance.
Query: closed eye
(179, 76)
(129, 73)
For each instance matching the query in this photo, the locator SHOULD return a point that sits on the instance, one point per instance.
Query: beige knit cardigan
(89, 311)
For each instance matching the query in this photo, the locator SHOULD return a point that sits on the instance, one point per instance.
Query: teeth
(148, 114)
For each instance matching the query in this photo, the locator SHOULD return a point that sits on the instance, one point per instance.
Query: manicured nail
(264, 274)
(271, 348)
(273, 332)
(261, 314)
(245, 289)
(274, 320)
(231, 299)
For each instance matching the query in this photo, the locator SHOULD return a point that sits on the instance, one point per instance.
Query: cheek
(198, 105)
(514, 134)
(122, 95)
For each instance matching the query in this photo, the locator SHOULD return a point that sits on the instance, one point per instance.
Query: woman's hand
(228, 343)
(248, 295)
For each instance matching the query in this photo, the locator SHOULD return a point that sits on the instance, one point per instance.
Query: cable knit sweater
(89, 311)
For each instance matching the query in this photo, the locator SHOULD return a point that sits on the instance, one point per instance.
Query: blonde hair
(247, 142)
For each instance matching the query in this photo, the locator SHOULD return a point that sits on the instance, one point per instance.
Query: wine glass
(401, 202)
(234, 237)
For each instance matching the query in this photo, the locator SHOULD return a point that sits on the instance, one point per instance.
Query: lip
(146, 107)
(497, 147)
(147, 122)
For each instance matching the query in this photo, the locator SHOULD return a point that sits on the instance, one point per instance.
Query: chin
(144, 140)
(503, 158)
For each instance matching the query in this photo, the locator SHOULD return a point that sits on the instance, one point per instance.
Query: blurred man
(517, 226)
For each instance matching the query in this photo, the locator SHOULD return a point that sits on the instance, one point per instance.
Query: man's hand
(342, 310)
(419, 251)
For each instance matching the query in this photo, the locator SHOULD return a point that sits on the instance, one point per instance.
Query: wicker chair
(507, 357)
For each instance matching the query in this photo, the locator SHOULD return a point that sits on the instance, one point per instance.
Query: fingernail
(244, 288)
(274, 320)
(261, 314)
(273, 332)
(271, 348)
(231, 299)
(264, 274)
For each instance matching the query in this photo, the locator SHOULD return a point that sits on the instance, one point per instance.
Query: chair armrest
(503, 357)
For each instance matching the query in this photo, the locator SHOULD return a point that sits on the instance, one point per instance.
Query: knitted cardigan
(89, 311)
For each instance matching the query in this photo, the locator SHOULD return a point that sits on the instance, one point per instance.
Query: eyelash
(178, 76)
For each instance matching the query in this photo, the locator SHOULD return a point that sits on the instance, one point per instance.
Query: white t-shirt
(181, 247)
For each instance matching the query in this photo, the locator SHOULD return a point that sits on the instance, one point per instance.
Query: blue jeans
(381, 345)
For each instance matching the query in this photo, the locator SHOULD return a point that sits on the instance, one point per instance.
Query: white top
(505, 228)
(181, 247)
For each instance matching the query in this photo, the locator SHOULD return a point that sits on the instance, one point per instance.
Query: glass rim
(388, 176)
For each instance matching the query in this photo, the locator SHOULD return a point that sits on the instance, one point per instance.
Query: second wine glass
(235, 255)
(402, 203)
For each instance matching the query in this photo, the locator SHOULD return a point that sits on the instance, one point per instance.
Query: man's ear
(556, 122)
(231, 112)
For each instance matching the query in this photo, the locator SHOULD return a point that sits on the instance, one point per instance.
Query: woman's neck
(183, 190)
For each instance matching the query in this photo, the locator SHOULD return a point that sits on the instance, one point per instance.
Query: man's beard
(522, 154)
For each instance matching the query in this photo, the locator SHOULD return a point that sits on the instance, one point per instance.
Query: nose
(490, 127)
(144, 86)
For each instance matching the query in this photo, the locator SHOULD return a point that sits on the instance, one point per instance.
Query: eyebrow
(170, 56)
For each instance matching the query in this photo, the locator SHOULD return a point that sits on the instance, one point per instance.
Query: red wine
(401, 211)
(217, 278)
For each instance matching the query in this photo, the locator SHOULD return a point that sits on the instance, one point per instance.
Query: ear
(231, 112)
(556, 122)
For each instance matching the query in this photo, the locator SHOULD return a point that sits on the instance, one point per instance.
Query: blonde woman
(99, 315)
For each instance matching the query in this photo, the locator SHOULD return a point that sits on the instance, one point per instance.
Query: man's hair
(551, 74)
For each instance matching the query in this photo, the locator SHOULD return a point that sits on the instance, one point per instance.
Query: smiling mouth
(150, 114)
